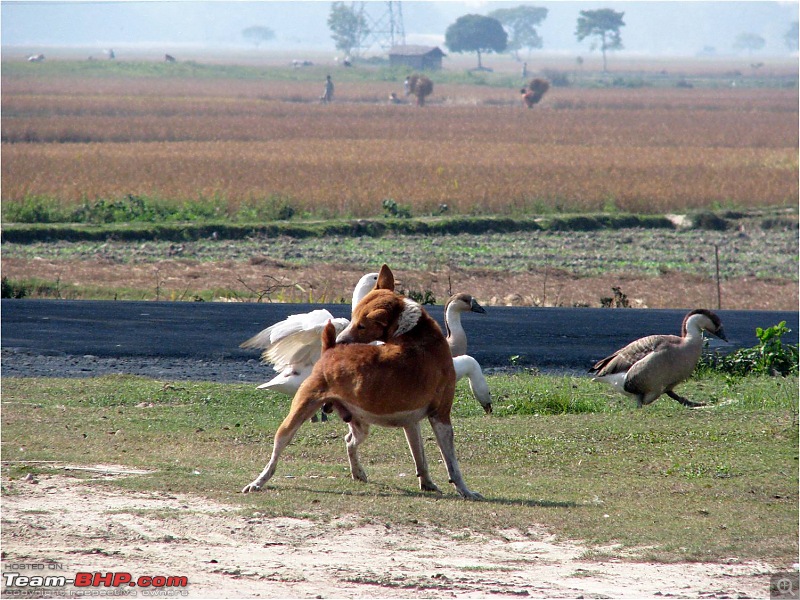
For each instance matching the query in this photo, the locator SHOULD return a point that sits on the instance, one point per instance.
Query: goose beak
(475, 307)
(720, 333)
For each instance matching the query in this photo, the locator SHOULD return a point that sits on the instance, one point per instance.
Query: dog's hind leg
(444, 437)
(357, 434)
(414, 439)
(301, 411)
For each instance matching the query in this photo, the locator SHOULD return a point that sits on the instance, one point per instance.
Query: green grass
(666, 483)
(138, 217)
(378, 70)
(145, 209)
(145, 217)
(34, 287)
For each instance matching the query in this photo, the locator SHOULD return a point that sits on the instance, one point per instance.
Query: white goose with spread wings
(293, 345)
(654, 365)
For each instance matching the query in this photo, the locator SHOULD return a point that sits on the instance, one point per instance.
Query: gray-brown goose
(654, 365)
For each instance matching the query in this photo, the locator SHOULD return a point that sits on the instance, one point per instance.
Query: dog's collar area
(408, 318)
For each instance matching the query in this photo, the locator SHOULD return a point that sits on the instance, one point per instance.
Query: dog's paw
(429, 486)
(251, 487)
(470, 495)
(359, 475)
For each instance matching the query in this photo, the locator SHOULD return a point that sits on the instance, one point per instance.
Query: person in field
(327, 94)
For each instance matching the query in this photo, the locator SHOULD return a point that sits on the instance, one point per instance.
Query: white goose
(465, 365)
(654, 365)
(293, 345)
(456, 336)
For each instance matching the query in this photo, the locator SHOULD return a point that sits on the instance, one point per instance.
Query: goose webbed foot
(684, 401)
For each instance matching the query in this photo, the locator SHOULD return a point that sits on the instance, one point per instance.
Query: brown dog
(395, 384)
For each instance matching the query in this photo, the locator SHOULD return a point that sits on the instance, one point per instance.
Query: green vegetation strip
(664, 483)
(136, 218)
(378, 69)
(29, 233)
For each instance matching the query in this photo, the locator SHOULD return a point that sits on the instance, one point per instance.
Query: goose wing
(295, 340)
(657, 369)
(624, 359)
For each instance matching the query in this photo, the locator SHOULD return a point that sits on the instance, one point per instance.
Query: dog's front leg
(444, 437)
(357, 434)
(414, 439)
(299, 414)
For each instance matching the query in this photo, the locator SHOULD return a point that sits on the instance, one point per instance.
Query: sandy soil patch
(86, 526)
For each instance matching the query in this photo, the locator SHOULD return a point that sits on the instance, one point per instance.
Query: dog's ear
(328, 336)
(385, 279)
(379, 316)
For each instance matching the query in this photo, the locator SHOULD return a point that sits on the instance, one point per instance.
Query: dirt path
(88, 527)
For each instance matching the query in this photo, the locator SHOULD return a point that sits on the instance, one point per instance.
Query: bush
(709, 221)
(129, 209)
(426, 297)
(13, 289)
(34, 209)
(272, 208)
(630, 83)
(769, 357)
(393, 209)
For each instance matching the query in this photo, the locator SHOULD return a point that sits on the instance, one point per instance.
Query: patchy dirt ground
(179, 279)
(85, 526)
(653, 268)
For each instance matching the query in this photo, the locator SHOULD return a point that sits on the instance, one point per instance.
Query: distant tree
(476, 33)
(751, 42)
(792, 37)
(348, 28)
(520, 23)
(603, 24)
(258, 34)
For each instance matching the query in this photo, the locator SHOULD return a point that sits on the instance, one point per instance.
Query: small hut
(419, 58)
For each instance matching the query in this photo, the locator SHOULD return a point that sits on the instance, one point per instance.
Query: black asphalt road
(561, 338)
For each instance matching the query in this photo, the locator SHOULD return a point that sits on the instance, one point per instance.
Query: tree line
(505, 30)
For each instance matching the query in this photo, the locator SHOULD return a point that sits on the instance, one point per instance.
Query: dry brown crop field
(474, 148)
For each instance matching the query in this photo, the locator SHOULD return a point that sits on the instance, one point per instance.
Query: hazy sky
(661, 28)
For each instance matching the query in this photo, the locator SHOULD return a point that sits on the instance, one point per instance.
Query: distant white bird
(654, 365)
(465, 365)
(293, 345)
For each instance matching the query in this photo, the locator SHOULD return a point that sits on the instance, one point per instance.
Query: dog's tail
(328, 336)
